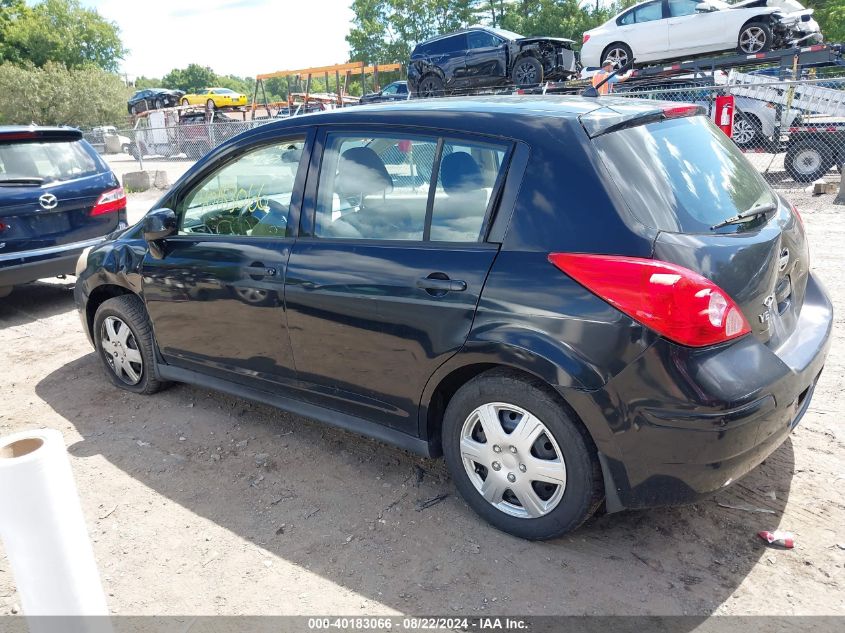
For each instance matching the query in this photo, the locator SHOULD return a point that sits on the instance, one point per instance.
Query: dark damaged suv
(577, 301)
(485, 57)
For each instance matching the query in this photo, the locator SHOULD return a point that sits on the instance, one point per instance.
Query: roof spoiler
(618, 115)
(34, 133)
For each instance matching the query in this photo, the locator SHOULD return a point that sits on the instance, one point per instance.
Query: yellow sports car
(215, 98)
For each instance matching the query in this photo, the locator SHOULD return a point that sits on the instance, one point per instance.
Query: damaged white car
(673, 29)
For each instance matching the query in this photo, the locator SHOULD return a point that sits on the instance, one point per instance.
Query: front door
(693, 32)
(216, 299)
(486, 61)
(383, 284)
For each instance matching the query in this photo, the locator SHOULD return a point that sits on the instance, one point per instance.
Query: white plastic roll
(43, 530)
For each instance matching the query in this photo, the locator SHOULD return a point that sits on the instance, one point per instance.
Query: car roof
(489, 114)
(458, 32)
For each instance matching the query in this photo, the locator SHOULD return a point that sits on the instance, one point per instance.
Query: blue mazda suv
(57, 197)
(576, 301)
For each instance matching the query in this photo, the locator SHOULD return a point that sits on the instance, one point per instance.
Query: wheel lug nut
(497, 466)
(513, 450)
(522, 468)
(511, 477)
(497, 448)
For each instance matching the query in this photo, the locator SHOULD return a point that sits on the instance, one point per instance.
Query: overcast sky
(240, 37)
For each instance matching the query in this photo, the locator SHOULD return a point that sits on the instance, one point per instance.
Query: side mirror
(704, 7)
(159, 224)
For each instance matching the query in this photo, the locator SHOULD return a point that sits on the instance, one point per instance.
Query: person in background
(607, 70)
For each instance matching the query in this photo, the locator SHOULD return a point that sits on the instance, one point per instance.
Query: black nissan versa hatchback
(575, 300)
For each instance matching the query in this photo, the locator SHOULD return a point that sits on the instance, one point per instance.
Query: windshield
(682, 175)
(49, 162)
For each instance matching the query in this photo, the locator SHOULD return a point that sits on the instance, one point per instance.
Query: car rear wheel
(519, 458)
(619, 53)
(124, 340)
(431, 86)
(210, 104)
(755, 37)
(133, 109)
(527, 71)
(807, 160)
(185, 102)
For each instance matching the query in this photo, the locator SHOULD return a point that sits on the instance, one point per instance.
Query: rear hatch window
(682, 175)
(44, 162)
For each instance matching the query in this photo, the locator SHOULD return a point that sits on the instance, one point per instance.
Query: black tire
(210, 105)
(754, 37)
(5, 291)
(620, 52)
(135, 151)
(527, 71)
(808, 159)
(126, 148)
(430, 86)
(185, 102)
(747, 130)
(130, 311)
(583, 491)
(159, 104)
(133, 109)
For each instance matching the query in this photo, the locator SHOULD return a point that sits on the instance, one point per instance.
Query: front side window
(250, 196)
(379, 188)
(390, 90)
(481, 39)
(679, 8)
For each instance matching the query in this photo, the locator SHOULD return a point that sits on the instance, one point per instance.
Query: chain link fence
(793, 132)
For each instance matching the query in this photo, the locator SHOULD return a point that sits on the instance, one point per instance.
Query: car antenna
(593, 91)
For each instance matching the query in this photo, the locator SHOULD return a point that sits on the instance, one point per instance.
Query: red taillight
(3, 226)
(673, 301)
(585, 38)
(675, 112)
(109, 202)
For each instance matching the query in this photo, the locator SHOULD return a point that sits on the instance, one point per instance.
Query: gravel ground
(199, 503)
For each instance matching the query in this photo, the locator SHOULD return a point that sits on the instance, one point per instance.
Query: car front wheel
(123, 337)
(755, 37)
(527, 71)
(519, 458)
(746, 130)
(210, 104)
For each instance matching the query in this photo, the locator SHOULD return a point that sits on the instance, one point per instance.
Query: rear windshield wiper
(751, 213)
(11, 182)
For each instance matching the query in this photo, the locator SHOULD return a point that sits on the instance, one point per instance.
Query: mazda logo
(48, 201)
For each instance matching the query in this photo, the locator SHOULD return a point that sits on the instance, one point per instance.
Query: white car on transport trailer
(671, 29)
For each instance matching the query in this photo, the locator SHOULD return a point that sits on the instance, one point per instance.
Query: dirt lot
(199, 503)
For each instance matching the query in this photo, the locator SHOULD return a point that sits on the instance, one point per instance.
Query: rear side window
(681, 175)
(380, 188)
(53, 161)
(446, 45)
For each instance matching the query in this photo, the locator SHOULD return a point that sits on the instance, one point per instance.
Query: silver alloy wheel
(744, 131)
(807, 161)
(618, 56)
(526, 74)
(752, 39)
(121, 350)
(251, 295)
(513, 460)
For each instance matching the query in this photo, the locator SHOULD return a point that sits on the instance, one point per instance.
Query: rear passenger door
(384, 279)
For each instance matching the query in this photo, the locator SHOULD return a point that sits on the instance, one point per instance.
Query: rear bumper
(25, 266)
(685, 423)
